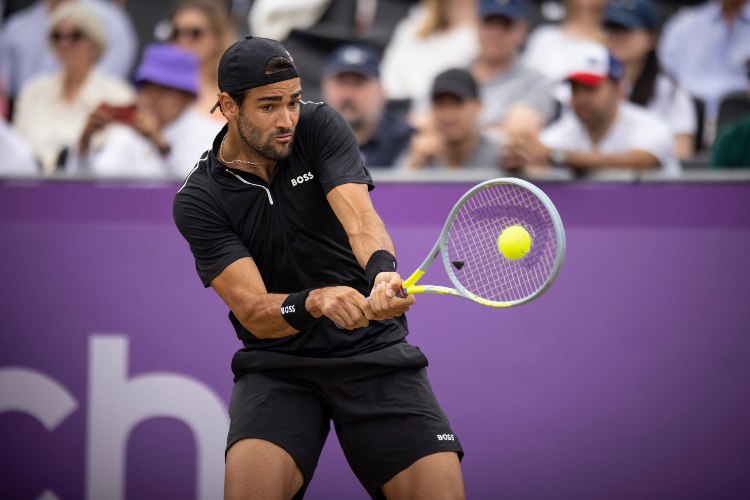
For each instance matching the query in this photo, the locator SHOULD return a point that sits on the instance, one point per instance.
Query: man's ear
(227, 106)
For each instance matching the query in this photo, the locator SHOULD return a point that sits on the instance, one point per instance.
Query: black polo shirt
(287, 227)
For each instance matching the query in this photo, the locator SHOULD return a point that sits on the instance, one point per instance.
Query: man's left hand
(384, 299)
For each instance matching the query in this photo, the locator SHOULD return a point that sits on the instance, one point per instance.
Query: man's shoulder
(640, 118)
(568, 124)
(198, 177)
(308, 109)
(689, 17)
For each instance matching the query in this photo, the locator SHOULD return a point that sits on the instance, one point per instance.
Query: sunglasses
(58, 36)
(188, 33)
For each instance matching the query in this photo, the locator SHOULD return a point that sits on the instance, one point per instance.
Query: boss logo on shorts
(302, 178)
(446, 437)
(287, 309)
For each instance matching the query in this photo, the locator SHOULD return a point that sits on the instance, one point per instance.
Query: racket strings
(473, 240)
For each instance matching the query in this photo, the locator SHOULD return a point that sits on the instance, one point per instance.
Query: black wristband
(380, 261)
(295, 313)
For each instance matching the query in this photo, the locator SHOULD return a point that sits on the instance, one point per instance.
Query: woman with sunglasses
(52, 109)
(632, 34)
(203, 27)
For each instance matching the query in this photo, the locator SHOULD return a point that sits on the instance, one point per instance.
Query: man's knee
(257, 468)
(435, 476)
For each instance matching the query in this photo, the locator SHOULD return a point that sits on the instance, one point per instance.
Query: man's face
(359, 98)
(594, 105)
(455, 118)
(500, 37)
(268, 118)
(163, 102)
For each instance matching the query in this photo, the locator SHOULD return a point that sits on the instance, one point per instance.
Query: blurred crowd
(518, 87)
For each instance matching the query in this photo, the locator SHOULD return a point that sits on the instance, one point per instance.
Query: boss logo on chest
(302, 178)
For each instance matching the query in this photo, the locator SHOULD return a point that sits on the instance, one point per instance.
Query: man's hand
(98, 119)
(148, 125)
(343, 305)
(384, 300)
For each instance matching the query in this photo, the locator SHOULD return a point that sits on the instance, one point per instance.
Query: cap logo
(354, 56)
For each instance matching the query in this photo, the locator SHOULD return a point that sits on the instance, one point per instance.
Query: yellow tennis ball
(514, 242)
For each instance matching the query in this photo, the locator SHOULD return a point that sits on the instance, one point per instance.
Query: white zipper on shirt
(268, 191)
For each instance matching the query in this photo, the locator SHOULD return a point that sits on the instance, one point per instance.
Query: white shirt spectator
(25, 50)
(634, 128)
(51, 124)
(16, 157)
(704, 55)
(411, 63)
(674, 105)
(125, 153)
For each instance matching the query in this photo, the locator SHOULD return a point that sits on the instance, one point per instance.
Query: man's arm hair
(352, 205)
(241, 287)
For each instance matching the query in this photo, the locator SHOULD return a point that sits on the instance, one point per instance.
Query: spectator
(705, 48)
(52, 109)
(604, 131)
(456, 141)
(16, 157)
(631, 28)
(548, 46)
(437, 35)
(25, 50)
(164, 134)
(351, 84)
(203, 27)
(732, 146)
(513, 96)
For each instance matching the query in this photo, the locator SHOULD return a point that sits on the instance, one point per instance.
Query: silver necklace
(227, 162)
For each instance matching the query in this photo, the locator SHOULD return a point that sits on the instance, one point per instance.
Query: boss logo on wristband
(294, 312)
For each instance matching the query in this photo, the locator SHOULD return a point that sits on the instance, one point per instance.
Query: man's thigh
(437, 476)
(390, 421)
(283, 414)
(257, 468)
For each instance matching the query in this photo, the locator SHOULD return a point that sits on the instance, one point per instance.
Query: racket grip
(401, 293)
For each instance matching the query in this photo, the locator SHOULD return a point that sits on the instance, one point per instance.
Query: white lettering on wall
(118, 403)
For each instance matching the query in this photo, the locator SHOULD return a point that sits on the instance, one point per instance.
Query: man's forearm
(370, 236)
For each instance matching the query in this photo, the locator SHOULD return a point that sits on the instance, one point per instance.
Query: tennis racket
(470, 249)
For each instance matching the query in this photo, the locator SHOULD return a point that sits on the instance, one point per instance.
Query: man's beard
(253, 140)
(352, 114)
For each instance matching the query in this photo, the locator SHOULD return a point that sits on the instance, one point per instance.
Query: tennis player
(279, 219)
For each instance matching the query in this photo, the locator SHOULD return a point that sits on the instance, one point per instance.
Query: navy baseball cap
(242, 66)
(514, 9)
(631, 14)
(358, 59)
(456, 82)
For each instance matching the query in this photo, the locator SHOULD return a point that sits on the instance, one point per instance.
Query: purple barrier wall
(628, 379)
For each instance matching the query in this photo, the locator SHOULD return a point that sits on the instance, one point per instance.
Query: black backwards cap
(243, 65)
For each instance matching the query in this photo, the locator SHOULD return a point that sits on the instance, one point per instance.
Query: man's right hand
(98, 119)
(343, 305)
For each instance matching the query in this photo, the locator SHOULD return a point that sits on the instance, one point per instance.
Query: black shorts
(383, 409)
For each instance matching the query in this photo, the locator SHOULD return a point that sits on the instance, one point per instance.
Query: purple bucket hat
(169, 66)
